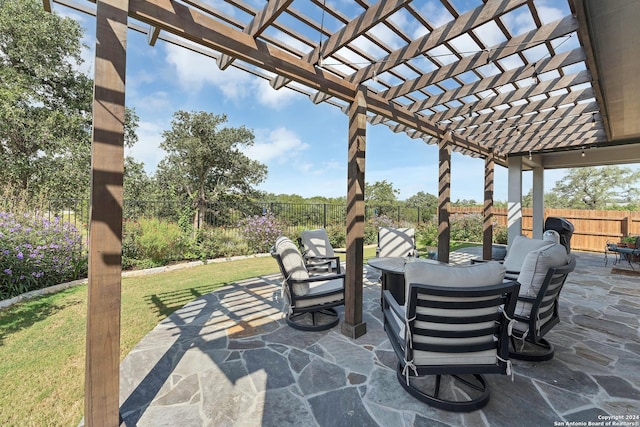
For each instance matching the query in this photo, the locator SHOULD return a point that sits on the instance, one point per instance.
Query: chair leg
(541, 351)
(299, 320)
(477, 383)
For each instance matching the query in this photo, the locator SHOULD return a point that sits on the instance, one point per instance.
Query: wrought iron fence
(226, 216)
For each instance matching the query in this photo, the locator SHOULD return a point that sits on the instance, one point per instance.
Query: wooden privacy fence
(592, 228)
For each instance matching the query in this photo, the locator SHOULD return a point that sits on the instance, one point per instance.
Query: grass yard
(42, 341)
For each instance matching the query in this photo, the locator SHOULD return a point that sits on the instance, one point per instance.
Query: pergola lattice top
(508, 77)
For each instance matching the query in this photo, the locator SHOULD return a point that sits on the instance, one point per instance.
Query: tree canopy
(603, 187)
(205, 160)
(381, 193)
(44, 100)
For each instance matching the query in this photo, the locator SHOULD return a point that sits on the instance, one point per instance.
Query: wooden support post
(444, 198)
(102, 370)
(353, 326)
(487, 225)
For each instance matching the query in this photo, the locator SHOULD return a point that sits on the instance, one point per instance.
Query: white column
(514, 196)
(538, 202)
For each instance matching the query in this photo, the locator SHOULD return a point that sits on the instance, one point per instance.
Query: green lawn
(42, 341)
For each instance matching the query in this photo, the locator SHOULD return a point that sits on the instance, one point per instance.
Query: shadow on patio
(228, 358)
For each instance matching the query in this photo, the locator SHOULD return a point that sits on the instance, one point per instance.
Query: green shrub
(500, 234)
(216, 242)
(38, 252)
(427, 234)
(464, 228)
(150, 242)
(337, 235)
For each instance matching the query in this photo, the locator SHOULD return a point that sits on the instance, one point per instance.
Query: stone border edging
(134, 273)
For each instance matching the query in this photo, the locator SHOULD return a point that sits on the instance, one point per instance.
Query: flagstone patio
(229, 359)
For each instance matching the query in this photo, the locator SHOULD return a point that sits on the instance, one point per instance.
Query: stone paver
(229, 359)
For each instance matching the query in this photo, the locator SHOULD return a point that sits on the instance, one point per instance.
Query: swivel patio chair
(396, 242)
(543, 275)
(453, 329)
(317, 251)
(309, 300)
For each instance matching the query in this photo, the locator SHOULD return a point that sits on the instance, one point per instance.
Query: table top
(396, 264)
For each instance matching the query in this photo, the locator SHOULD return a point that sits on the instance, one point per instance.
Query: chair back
(454, 330)
(539, 313)
(289, 259)
(459, 330)
(396, 242)
(316, 243)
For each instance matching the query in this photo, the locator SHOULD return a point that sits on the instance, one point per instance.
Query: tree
(597, 187)
(425, 201)
(45, 102)
(205, 161)
(381, 193)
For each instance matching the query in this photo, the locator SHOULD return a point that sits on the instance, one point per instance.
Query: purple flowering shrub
(36, 252)
(260, 231)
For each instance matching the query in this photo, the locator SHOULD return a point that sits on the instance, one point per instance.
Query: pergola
(525, 84)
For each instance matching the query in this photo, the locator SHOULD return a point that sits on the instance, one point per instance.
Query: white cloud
(268, 96)
(195, 70)
(147, 149)
(279, 145)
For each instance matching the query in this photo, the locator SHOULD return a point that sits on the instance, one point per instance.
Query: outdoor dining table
(392, 273)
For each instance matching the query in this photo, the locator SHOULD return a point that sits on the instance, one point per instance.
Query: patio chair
(453, 329)
(519, 249)
(396, 242)
(541, 279)
(317, 251)
(309, 300)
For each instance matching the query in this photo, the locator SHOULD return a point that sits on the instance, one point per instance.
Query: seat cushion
(518, 250)
(438, 274)
(535, 266)
(320, 288)
(455, 276)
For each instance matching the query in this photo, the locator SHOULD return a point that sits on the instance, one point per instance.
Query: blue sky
(303, 144)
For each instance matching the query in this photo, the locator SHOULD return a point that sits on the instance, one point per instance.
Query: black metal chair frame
(545, 304)
(319, 263)
(295, 314)
(504, 294)
(621, 253)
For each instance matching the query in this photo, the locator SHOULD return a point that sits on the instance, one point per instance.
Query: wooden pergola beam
(352, 30)
(206, 31)
(479, 59)
(465, 22)
(541, 88)
(102, 366)
(511, 76)
(258, 25)
(525, 109)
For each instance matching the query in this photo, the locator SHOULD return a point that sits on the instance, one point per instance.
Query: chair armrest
(398, 309)
(324, 260)
(318, 278)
